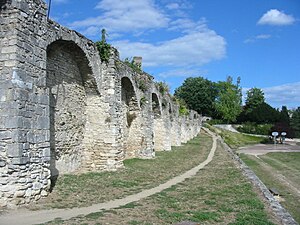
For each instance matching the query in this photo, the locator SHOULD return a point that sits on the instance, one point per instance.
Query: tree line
(223, 101)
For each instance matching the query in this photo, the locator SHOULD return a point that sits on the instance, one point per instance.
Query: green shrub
(253, 128)
(162, 87)
(103, 48)
(215, 121)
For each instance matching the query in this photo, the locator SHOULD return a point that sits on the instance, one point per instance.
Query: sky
(257, 40)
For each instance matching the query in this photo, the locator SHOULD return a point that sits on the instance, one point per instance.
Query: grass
(90, 188)
(237, 140)
(218, 194)
(280, 171)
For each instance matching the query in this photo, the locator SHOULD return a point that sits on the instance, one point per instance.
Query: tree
(255, 97)
(263, 113)
(199, 94)
(229, 100)
(295, 122)
(284, 116)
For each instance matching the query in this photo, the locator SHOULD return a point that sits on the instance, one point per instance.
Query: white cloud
(182, 73)
(177, 8)
(133, 16)
(193, 49)
(281, 95)
(263, 36)
(258, 37)
(186, 25)
(287, 94)
(173, 6)
(275, 17)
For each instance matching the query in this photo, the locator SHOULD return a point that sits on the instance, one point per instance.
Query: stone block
(13, 122)
(19, 194)
(43, 122)
(3, 180)
(20, 161)
(46, 152)
(43, 99)
(14, 150)
(5, 135)
(44, 193)
(37, 188)
(2, 163)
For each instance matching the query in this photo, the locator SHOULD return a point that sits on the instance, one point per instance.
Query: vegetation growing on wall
(143, 101)
(142, 85)
(162, 87)
(103, 47)
(183, 110)
(136, 67)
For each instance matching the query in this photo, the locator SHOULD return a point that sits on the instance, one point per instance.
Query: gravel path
(24, 217)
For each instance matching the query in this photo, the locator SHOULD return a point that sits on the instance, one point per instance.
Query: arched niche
(129, 100)
(67, 80)
(133, 137)
(155, 106)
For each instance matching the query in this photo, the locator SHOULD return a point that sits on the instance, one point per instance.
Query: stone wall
(63, 110)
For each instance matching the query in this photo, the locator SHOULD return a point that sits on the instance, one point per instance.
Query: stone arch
(132, 120)
(57, 33)
(68, 80)
(128, 93)
(155, 106)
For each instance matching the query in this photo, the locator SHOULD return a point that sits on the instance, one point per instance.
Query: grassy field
(218, 194)
(138, 174)
(236, 140)
(280, 171)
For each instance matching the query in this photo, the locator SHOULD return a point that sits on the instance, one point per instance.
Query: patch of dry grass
(90, 188)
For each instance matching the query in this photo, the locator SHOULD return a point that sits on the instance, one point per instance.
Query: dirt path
(24, 217)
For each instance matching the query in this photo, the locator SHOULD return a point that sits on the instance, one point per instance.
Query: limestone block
(4, 180)
(2, 163)
(28, 192)
(5, 135)
(43, 122)
(3, 202)
(19, 193)
(44, 193)
(20, 160)
(14, 150)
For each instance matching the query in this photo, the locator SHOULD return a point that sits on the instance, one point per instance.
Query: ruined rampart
(63, 110)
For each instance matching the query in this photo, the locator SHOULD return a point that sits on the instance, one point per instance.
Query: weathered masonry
(62, 110)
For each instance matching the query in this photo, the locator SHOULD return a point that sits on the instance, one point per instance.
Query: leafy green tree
(229, 100)
(255, 97)
(199, 94)
(295, 122)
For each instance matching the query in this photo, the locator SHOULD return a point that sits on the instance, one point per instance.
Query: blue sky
(254, 39)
